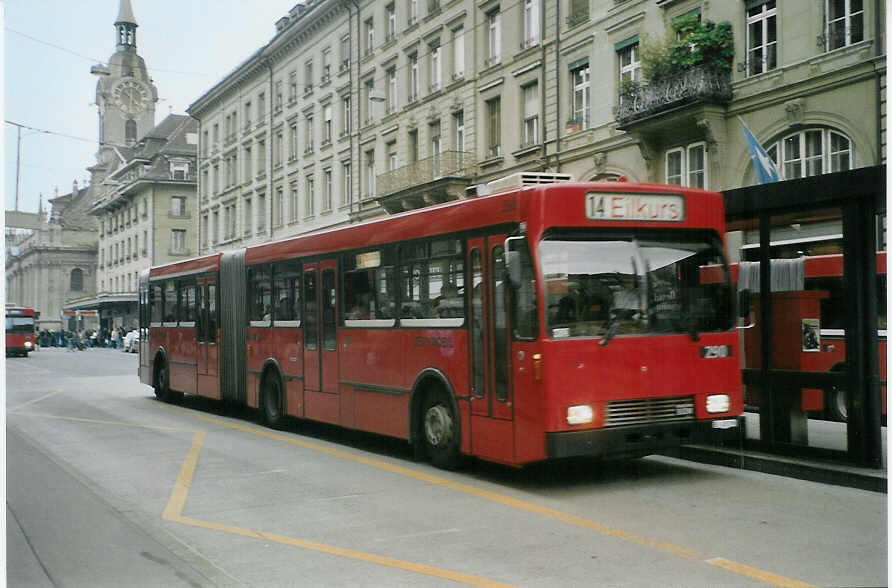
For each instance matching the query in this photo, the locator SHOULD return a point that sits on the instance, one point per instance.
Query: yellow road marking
(174, 512)
(756, 574)
(34, 400)
(607, 530)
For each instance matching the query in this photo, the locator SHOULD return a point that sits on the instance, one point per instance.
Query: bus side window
(211, 327)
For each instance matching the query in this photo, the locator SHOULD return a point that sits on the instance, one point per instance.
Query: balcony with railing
(700, 84)
(435, 179)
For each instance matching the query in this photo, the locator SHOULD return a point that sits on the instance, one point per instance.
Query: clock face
(131, 96)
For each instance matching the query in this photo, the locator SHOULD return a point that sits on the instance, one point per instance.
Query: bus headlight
(580, 414)
(718, 403)
(28, 344)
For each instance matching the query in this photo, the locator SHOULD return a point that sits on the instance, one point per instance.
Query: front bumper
(619, 442)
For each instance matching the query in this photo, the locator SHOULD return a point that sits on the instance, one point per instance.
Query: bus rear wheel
(835, 397)
(162, 383)
(273, 414)
(439, 429)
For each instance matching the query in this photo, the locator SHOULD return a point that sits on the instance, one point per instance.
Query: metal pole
(18, 163)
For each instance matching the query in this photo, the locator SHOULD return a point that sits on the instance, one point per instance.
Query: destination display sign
(634, 207)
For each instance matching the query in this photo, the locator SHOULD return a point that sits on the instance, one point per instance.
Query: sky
(50, 45)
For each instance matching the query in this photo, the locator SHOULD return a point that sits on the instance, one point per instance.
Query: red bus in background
(20, 336)
(809, 329)
(537, 322)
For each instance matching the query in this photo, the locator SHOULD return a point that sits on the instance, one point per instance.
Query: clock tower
(125, 94)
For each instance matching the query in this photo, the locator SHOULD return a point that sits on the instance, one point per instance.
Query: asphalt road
(108, 487)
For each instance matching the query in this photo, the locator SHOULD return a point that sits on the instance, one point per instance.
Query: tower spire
(125, 27)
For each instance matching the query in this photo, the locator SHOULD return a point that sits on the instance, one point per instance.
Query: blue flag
(764, 165)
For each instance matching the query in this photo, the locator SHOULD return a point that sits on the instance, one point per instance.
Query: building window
(261, 108)
(458, 53)
(279, 96)
(292, 87)
(247, 115)
(494, 127)
(247, 164)
(345, 52)
(261, 158)
(845, 23)
(326, 124)
(629, 62)
(578, 12)
(279, 207)
(292, 141)
(278, 141)
(347, 183)
(811, 152)
(261, 213)
(580, 98)
(370, 172)
(369, 101)
(530, 23)
(76, 280)
(686, 166)
(390, 11)
(413, 77)
(436, 75)
(215, 228)
(293, 203)
(493, 38)
(391, 156)
(391, 90)
(412, 12)
(311, 196)
(530, 134)
(458, 123)
(326, 66)
(369, 36)
(247, 217)
(179, 170)
(178, 241)
(326, 189)
(346, 116)
(412, 152)
(204, 232)
(130, 130)
(761, 38)
(308, 78)
(434, 130)
(308, 140)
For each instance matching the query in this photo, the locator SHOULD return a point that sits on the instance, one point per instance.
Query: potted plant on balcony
(693, 61)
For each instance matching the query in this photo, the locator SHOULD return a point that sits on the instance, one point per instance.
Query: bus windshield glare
(634, 283)
(20, 324)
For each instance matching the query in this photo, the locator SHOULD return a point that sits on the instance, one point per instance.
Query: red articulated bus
(20, 337)
(536, 322)
(809, 328)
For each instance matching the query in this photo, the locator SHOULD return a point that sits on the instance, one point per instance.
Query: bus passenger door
(206, 338)
(492, 429)
(320, 342)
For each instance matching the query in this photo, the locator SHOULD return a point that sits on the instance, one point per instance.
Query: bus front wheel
(440, 429)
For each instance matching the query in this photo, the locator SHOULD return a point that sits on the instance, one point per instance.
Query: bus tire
(836, 399)
(273, 411)
(440, 429)
(162, 382)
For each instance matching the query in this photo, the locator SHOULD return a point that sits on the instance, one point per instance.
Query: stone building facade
(361, 108)
(55, 261)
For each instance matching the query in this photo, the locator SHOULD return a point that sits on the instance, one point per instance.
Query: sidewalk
(821, 434)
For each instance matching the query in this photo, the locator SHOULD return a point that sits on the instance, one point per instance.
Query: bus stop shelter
(855, 197)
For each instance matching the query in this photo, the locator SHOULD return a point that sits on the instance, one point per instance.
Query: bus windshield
(634, 283)
(19, 324)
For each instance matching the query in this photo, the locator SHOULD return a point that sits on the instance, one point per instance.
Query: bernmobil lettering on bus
(646, 207)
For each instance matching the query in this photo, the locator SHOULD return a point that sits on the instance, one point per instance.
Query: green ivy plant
(690, 43)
